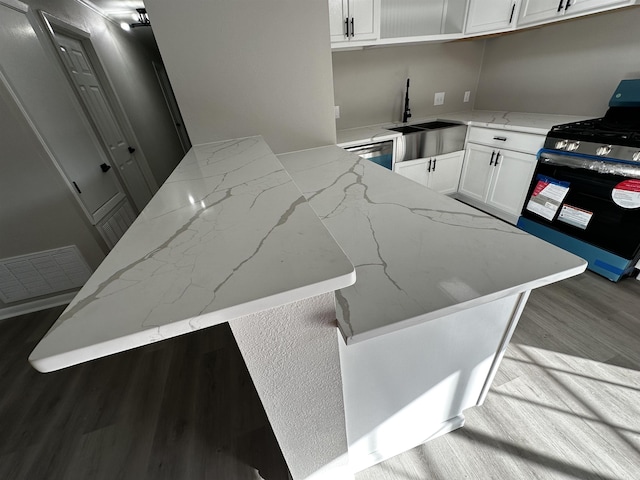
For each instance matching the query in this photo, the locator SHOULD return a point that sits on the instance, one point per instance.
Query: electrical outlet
(467, 96)
(337, 110)
(438, 98)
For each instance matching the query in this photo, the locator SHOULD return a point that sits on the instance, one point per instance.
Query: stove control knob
(636, 157)
(573, 146)
(603, 150)
(561, 144)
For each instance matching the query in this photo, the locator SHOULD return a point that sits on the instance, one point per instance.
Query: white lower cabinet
(496, 179)
(440, 173)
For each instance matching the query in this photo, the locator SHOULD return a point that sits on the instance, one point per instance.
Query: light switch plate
(337, 110)
(467, 96)
(438, 98)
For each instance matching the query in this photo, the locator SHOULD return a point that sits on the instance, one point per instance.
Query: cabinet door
(445, 172)
(416, 170)
(338, 13)
(411, 18)
(476, 171)
(491, 16)
(537, 11)
(511, 180)
(588, 6)
(362, 16)
(364, 19)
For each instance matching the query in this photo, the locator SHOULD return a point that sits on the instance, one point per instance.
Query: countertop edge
(70, 358)
(410, 322)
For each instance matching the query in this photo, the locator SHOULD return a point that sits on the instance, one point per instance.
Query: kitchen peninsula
(439, 290)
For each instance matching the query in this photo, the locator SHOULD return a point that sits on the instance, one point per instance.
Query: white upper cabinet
(494, 16)
(354, 20)
(417, 18)
(537, 11)
(541, 11)
(360, 23)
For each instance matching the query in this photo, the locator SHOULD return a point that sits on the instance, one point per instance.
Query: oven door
(591, 199)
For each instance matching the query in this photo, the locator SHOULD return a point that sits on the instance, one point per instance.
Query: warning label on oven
(627, 194)
(547, 196)
(575, 216)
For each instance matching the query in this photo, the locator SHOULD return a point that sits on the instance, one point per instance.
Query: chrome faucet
(407, 111)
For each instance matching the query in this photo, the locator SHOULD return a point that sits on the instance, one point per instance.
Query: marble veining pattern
(228, 234)
(418, 254)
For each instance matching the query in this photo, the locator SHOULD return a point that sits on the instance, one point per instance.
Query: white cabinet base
(412, 385)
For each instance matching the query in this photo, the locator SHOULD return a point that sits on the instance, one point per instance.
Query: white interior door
(43, 95)
(92, 93)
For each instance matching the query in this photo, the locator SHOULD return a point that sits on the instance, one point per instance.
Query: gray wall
(129, 68)
(568, 68)
(369, 84)
(242, 67)
(37, 210)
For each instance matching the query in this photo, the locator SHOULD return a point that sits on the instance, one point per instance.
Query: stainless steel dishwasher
(379, 152)
(429, 139)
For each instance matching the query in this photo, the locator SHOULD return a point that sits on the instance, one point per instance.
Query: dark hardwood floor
(184, 408)
(564, 405)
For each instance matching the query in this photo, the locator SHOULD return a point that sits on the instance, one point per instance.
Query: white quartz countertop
(538, 123)
(228, 234)
(419, 255)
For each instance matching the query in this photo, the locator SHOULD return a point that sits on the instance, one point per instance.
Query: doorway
(88, 80)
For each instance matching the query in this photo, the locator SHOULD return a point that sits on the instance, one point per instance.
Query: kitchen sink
(435, 124)
(406, 129)
(429, 139)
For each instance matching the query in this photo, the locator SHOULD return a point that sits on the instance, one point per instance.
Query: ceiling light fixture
(143, 20)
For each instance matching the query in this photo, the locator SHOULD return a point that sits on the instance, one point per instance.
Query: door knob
(131, 149)
(104, 167)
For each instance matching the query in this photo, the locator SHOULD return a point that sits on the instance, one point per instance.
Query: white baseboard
(37, 305)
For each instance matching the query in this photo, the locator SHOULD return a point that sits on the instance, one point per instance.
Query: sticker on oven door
(627, 194)
(575, 216)
(547, 196)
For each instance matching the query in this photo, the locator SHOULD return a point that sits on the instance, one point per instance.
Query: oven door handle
(591, 164)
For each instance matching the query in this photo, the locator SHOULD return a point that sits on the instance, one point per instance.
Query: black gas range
(585, 193)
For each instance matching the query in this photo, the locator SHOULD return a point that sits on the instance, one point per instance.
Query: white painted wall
(566, 68)
(292, 355)
(370, 84)
(244, 67)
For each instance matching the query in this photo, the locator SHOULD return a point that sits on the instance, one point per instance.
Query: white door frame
(51, 25)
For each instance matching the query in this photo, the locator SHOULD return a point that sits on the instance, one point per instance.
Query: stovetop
(615, 136)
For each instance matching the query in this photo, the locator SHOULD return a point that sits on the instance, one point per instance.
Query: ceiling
(123, 11)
